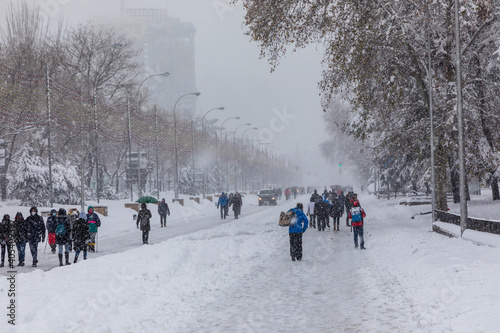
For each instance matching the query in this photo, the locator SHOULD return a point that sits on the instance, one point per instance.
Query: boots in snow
(60, 260)
(76, 259)
(1, 264)
(66, 254)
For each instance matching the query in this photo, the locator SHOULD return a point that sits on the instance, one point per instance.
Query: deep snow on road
(237, 276)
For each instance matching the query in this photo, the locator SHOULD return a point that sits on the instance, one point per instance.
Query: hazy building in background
(167, 45)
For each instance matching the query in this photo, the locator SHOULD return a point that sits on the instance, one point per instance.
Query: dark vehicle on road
(267, 196)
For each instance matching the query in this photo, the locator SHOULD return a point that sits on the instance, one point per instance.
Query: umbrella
(147, 199)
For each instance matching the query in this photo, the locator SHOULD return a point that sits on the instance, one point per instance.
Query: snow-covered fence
(472, 223)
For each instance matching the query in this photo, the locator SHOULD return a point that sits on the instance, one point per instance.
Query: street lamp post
(176, 179)
(139, 187)
(221, 128)
(244, 178)
(204, 189)
(234, 148)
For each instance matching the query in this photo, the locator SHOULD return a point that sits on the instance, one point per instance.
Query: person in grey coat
(163, 211)
(143, 219)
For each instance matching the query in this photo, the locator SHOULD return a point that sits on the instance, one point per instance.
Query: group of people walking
(235, 200)
(76, 231)
(319, 210)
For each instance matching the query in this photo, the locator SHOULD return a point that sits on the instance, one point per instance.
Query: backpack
(60, 229)
(356, 214)
(285, 218)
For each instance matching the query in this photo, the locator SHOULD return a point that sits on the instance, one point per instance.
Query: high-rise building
(166, 45)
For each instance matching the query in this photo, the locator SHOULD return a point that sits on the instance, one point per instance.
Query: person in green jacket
(94, 223)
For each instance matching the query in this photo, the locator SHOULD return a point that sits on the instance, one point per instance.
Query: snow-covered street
(237, 276)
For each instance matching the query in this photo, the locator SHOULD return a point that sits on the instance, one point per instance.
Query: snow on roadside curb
(108, 291)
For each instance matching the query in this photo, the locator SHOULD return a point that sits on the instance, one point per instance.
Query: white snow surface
(201, 274)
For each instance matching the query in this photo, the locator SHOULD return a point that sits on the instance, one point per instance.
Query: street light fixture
(204, 190)
(164, 74)
(176, 179)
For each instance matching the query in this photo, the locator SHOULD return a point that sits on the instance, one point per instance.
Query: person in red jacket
(357, 215)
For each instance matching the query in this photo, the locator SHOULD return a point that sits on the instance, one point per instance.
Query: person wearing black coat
(143, 219)
(51, 230)
(321, 209)
(5, 225)
(347, 202)
(336, 213)
(163, 211)
(63, 232)
(237, 203)
(81, 236)
(315, 196)
(36, 232)
(21, 237)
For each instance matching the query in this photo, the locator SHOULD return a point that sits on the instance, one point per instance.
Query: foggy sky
(229, 73)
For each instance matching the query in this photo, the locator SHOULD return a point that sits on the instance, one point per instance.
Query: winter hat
(19, 215)
(143, 205)
(53, 211)
(90, 207)
(34, 209)
(62, 212)
(6, 217)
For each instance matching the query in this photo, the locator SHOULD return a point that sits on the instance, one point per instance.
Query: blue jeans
(66, 248)
(358, 231)
(77, 253)
(34, 251)
(21, 250)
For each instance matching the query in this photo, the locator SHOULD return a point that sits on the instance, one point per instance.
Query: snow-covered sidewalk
(238, 277)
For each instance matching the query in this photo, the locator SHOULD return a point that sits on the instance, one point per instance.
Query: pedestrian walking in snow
(81, 235)
(21, 237)
(336, 212)
(315, 196)
(223, 203)
(357, 215)
(143, 219)
(321, 210)
(237, 203)
(163, 211)
(51, 230)
(36, 232)
(310, 213)
(341, 199)
(63, 232)
(94, 223)
(347, 203)
(298, 225)
(287, 193)
(73, 214)
(5, 225)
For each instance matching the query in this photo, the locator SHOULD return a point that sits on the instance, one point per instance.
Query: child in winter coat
(21, 237)
(5, 225)
(63, 232)
(143, 219)
(94, 223)
(51, 230)
(81, 235)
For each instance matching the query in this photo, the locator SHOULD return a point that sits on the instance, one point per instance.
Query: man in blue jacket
(298, 225)
(223, 203)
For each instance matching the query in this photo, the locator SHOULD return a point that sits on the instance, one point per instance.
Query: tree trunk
(455, 182)
(440, 172)
(494, 188)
